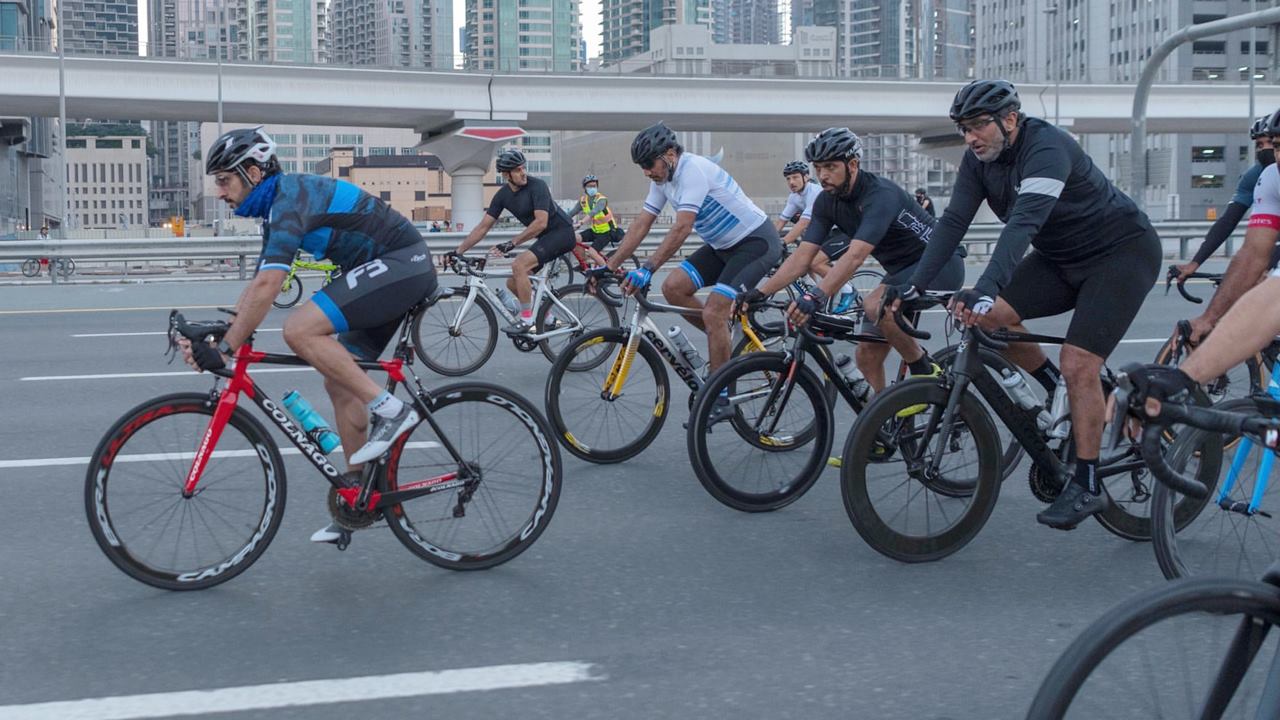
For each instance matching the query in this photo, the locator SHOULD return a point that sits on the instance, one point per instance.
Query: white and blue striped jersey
(800, 205)
(725, 214)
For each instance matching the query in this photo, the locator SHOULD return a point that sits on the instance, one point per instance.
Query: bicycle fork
(1237, 464)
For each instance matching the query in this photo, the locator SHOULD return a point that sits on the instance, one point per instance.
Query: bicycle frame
(475, 286)
(363, 497)
(1237, 464)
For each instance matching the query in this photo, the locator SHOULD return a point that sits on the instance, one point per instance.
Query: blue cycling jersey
(330, 219)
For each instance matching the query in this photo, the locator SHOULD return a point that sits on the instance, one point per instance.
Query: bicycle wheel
(561, 273)
(773, 447)
(133, 494)
(592, 312)
(30, 267)
(506, 446)
(590, 424)
(1011, 450)
(1166, 653)
(453, 345)
(290, 293)
(1239, 381)
(889, 494)
(1222, 537)
(65, 267)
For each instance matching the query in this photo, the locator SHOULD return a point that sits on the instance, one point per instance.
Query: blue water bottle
(311, 421)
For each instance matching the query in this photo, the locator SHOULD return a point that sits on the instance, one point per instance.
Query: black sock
(921, 366)
(1087, 474)
(1048, 376)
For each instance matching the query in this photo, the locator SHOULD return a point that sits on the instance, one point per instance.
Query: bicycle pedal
(344, 540)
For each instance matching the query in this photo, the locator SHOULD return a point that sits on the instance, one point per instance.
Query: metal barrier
(980, 241)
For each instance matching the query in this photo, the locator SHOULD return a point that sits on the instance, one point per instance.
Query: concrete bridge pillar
(466, 148)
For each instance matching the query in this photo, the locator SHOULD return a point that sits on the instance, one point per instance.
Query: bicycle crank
(524, 344)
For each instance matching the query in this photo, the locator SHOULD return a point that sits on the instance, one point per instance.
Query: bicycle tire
(608, 342)
(290, 293)
(256, 446)
(65, 267)
(866, 437)
(1012, 451)
(1208, 596)
(30, 267)
(561, 272)
(588, 311)
(440, 316)
(538, 456)
(769, 455)
(1166, 356)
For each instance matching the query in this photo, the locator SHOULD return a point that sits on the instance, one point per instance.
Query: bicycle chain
(347, 516)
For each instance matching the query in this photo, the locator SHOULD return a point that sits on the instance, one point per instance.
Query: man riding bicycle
(1094, 252)
(798, 211)
(741, 244)
(529, 200)
(603, 229)
(883, 222)
(386, 270)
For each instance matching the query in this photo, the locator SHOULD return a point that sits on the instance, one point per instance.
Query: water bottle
(690, 353)
(849, 369)
(1061, 409)
(1016, 386)
(311, 421)
(509, 299)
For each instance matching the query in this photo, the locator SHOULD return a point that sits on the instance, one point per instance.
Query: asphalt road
(648, 598)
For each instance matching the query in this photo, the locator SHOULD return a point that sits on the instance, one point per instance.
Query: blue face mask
(591, 192)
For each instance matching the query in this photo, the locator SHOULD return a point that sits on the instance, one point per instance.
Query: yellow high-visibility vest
(601, 223)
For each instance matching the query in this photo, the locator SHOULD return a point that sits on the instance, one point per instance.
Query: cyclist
(798, 211)
(594, 206)
(1222, 228)
(741, 245)
(1094, 252)
(386, 271)
(529, 200)
(926, 202)
(1259, 250)
(885, 223)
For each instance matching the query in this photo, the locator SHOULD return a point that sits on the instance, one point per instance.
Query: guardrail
(980, 241)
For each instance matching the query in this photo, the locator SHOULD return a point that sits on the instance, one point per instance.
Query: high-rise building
(626, 24)
(392, 33)
(286, 31)
(1188, 174)
(31, 181)
(514, 35)
(745, 22)
(100, 27)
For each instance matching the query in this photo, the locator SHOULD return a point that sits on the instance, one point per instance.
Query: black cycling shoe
(1074, 505)
(720, 411)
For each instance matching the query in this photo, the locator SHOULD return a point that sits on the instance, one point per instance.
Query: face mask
(591, 192)
(1266, 157)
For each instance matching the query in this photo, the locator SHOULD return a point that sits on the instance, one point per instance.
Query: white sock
(847, 289)
(386, 405)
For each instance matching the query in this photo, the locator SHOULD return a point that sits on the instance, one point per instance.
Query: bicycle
(63, 266)
(291, 288)
(589, 399)
(459, 341)
(765, 474)
(472, 486)
(867, 479)
(864, 281)
(1200, 637)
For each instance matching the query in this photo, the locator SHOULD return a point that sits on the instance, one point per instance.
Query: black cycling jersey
(879, 213)
(1049, 194)
(535, 195)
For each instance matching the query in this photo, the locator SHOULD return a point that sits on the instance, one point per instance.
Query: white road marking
(150, 332)
(116, 376)
(1142, 341)
(300, 694)
(110, 309)
(152, 457)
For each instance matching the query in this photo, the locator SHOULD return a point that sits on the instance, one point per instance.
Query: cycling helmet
(795, 166)
(1259, 127)
(985, 97)
(510, 159)
(652, 142)
(920, 191)
(1273, 124)
(833, 144)
(236, 147)
(589, 179)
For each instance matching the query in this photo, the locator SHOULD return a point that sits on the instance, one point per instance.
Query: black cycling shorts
(367, 303)
(1105, 293)
(950, 278)
(601, 241)
(552, 245)
(738, 268)
(835, 245)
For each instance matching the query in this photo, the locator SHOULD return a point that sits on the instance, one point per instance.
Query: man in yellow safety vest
(603, 229)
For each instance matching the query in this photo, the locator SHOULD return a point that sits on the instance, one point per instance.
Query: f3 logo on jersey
(371, 269)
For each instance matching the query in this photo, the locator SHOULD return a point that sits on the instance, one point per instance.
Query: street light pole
(62, 114)
(1052, 12)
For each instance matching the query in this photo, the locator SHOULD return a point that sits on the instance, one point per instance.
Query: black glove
(894, 293)
(505, 247)
(596, 273)
(813, 301)
(748, 298)
(207, 357)
(974, 300)
(1162, 382)
(450, 258)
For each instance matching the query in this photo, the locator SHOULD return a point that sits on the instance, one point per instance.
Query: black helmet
(510, 159)
(795, 166)
(1273, 124)
(236, 147)
(1259, 127)
(589, 179)
(652, 142)
(920, 191)
(985, 97)
(833, 144)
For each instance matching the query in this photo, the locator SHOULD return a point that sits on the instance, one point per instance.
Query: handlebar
(1172, 274)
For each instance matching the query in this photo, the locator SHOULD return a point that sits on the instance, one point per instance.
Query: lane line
(311, 692)
(150, 332)
(153, 457)
(111, 309)
(117, 376)
(1143, 341)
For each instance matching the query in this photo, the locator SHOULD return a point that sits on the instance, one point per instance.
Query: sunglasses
(974, 126)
